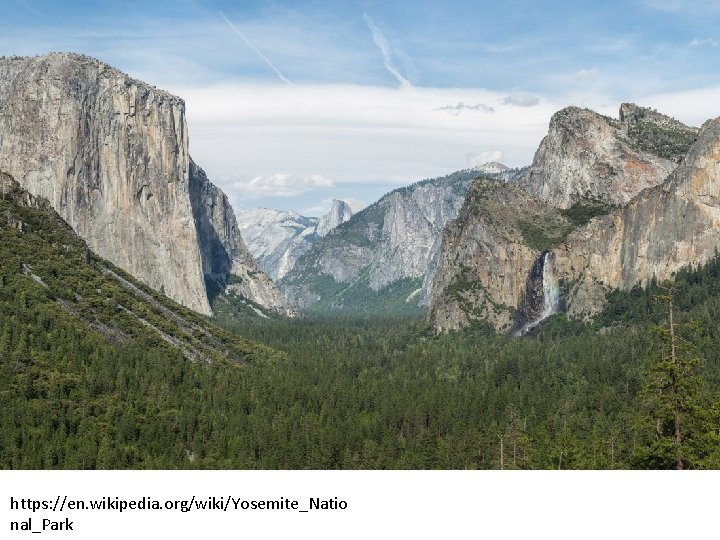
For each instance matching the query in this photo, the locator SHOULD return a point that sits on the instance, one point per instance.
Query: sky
(293, 103)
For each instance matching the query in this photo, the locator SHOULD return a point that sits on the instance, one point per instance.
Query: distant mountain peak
(340, 211)
(491, 167)
(354, 204)
(278, 237)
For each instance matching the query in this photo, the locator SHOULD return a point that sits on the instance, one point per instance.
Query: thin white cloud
(521, 99)
(257, 51)
(278, 185)
(700, 42)
(585, 74)
(461, 106)
(386, 51)
(350, 133)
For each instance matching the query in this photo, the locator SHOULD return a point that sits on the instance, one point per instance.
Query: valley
(494, 317)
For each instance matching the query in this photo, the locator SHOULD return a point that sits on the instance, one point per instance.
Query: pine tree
(673, 393)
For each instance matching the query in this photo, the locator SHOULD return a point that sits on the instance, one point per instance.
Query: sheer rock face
(485, 261)
(589, 156)
(111, 155)
(340, 212)
(660, 231)
(223, 252)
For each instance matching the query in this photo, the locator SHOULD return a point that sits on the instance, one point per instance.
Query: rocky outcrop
(340, 212)
(278, 238)
(510, 255)
(663, 229)
(492, 167)
(488, 254)
(588, 156)
(111, 155)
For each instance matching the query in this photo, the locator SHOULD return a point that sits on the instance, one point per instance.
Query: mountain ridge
(589, 155)
(391, 244)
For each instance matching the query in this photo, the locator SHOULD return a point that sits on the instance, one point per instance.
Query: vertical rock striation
(111, 155)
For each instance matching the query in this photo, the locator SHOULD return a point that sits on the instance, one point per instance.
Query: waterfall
(537, 304)
(551, 295)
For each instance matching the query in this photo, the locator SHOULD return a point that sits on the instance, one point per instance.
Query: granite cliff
(663, 229)
(111, 156)
(488, 253)
(340, 212)
(586, 155)
(570, 230)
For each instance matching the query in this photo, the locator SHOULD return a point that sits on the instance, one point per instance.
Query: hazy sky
(290, 103)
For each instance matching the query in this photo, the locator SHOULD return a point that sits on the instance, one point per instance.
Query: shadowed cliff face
(222, 250)
(533, 305)
(111, 155)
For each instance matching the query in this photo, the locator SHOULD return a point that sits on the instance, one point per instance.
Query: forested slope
(84, 383)
(96, 369)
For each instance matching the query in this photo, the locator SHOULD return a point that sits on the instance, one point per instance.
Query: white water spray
(551, 294)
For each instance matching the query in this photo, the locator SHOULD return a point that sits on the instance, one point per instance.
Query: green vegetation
(358, 298)
(471, 295)
(84, 384)
(584, 210)
(664, 140)
(545, 234)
